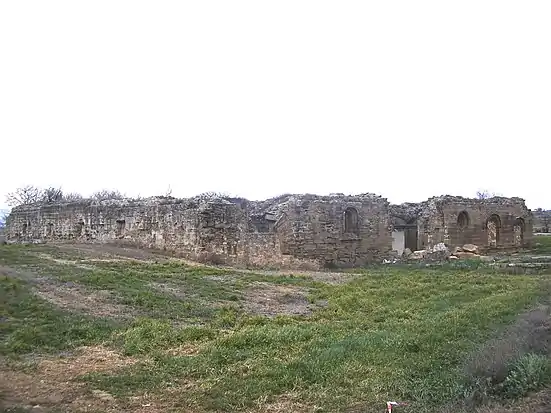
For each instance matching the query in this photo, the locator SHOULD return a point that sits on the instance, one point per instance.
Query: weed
(529, 373)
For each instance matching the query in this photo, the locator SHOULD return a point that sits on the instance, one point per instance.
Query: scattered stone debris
(440, 252)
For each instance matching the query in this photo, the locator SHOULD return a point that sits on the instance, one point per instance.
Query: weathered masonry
(494, 223)
(290, 230)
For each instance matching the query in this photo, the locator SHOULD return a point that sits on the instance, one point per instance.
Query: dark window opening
(463, 220)
(351, 221)
(79, 229)
(121, 225)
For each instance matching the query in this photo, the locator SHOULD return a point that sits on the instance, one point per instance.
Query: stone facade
(493, 223)
(308, 231)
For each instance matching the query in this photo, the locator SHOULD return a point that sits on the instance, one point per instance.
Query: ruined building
(542, 221)
(290, 230)
(492, 224)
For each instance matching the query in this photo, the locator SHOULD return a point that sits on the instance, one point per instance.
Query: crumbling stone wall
(493, 223)
(190, 226)
(339, 230)
(291, 230)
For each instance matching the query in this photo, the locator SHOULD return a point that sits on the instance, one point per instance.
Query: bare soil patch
(172, 289)
(53, 383)
(272, 300)
(86, 263)
(320, 276)
(71, 296)
(110, 251)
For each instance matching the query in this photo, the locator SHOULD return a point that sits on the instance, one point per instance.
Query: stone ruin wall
(294, 231)
(315, 227)
(184, 225)
(289, 231)
(456, 221)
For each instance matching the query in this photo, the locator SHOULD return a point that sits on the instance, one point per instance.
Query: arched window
(518, 231)
(463, 220)
(493, 226)
(351, 221)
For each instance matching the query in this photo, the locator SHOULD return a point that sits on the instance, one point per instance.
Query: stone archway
(518, 232)
(493, 226)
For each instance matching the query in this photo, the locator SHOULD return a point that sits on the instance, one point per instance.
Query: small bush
(529, 373)
(531, 333)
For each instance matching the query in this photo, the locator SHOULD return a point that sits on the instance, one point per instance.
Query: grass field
(103, 332)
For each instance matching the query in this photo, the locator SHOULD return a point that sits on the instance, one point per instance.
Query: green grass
(139, 284)
(391, 333)
(30, 324)
(542, 244)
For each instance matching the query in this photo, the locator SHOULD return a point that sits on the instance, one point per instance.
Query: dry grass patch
(271, 300)
(285, 403)
(73, 297)
(187, 349)
(172, 289)
(334, 278)
(53, 384)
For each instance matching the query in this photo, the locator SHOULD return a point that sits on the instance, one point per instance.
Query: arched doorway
(463, 222)
(518, 231)
(493, 226)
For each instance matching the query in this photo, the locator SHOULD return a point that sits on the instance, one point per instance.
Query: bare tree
(25, 195)
(52, 194)
(72, 196)
(485, 194)
(105, 194)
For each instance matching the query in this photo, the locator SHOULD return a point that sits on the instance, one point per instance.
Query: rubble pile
(441, 252)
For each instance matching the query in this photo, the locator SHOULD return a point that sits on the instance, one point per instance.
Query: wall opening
(412, 235)
(24, 228)
(50, 229)
(351, 221)
(518, 231)
(493, 226)
(79, 229)
(121, 225)
(463, 220)
(398, 241)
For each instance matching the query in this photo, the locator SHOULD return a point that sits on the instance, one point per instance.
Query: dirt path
(103, 251)
(110, 251)
(52, 385)
(71, 296)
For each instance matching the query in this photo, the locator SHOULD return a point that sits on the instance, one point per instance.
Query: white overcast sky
(407, 99)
